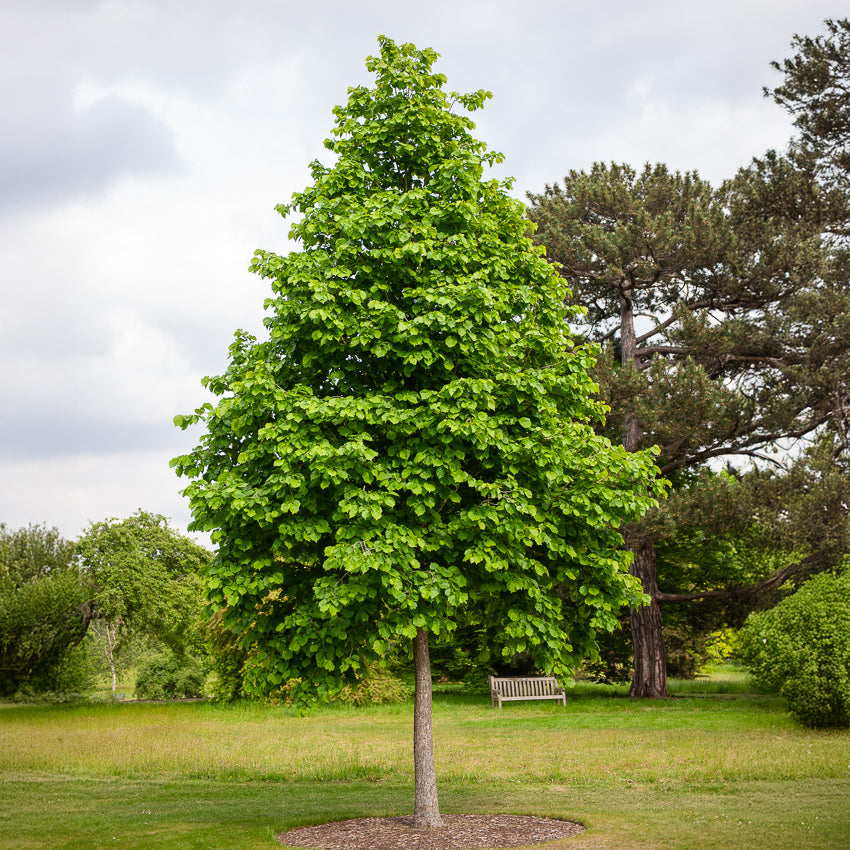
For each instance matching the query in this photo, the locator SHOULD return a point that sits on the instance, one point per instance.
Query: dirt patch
(461, 832)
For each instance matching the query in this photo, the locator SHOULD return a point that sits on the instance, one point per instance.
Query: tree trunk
(426, 811)
(633, 433)
(650, 656)
(110, 656)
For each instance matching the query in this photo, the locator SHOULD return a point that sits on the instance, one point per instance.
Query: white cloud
(70, 492)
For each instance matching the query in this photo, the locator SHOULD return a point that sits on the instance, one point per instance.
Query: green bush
(169, 676)
(44, 608)
(68, 681)
(801, 648)
(75, 674)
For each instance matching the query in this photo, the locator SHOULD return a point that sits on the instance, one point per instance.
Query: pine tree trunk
(650, 657)
(632, 433)
(426, 811)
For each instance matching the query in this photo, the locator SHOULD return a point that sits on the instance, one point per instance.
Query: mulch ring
(460, 832)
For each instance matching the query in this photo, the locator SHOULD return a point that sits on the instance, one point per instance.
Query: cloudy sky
(145, 143)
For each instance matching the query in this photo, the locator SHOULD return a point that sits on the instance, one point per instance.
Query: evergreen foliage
(815, 91)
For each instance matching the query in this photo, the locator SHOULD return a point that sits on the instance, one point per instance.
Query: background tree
(44, 610)
(415, 433)
(711, 308)
(143, 578)
(806, 507)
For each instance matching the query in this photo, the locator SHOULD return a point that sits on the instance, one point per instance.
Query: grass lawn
(714, 767)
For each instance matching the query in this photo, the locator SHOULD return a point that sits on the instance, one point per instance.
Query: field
(714, 767)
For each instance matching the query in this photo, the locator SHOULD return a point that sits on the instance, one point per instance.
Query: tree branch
(641, 353)
(696, 305)
(771, 583)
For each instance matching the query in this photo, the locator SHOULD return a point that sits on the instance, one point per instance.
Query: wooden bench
(506, 689)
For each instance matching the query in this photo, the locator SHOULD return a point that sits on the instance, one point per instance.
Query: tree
(715, 310)
(144, 579)
(44, 610)
(415, 434)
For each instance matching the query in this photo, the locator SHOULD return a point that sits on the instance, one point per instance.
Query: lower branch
(770, 584)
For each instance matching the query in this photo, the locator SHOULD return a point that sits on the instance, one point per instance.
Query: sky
(145, 143)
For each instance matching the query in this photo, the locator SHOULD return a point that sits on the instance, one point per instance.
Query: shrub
(801, 648)
(67, 681)
(169, 676)
(43, 609)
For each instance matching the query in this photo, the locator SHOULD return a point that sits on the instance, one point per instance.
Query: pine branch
(771, 583)
(696, 305)
(643, 353)
(747, 448)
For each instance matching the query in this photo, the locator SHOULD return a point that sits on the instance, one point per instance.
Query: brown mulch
(461, 832)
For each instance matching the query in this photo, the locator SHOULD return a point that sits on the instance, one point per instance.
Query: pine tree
(725, 327)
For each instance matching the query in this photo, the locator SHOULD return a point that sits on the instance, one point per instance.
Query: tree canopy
(415, 433)
(816, 92)
(143, 576)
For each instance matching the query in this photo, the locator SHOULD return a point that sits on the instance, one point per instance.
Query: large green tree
(725, 317)
(415, 434)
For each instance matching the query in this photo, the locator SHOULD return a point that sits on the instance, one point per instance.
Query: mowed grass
(706, 769)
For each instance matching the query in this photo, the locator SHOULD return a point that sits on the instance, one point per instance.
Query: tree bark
(426, 811)
(633, 433)
(110, 656)
(650, 656)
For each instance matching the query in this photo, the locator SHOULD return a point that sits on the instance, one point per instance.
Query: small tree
(144, 580)
(415, 433)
